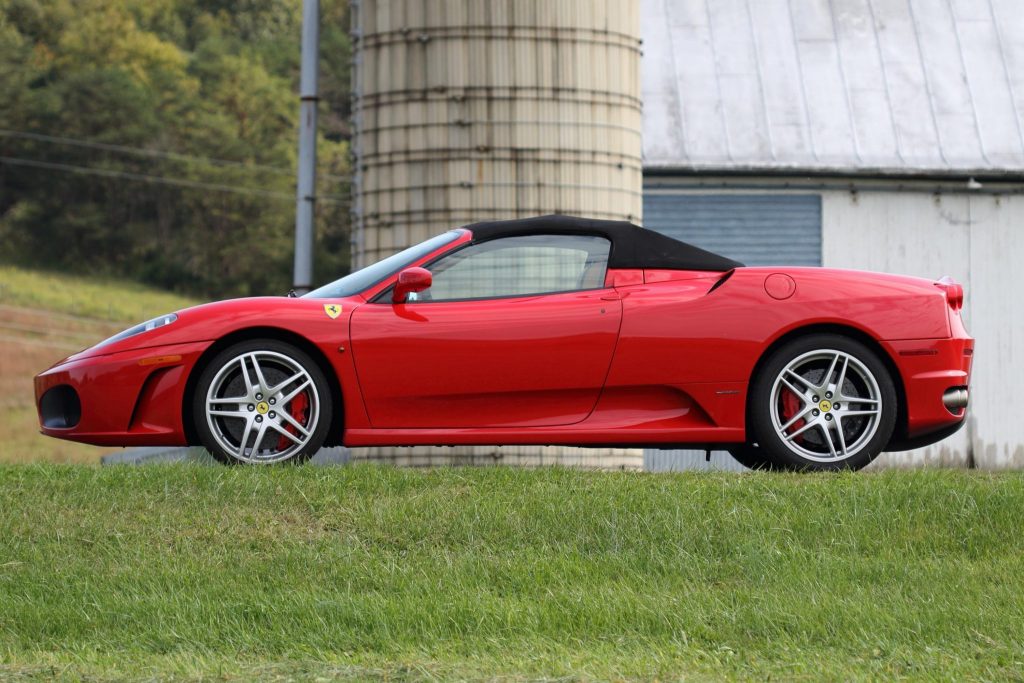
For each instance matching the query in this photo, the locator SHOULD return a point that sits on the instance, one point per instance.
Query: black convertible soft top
(632, 246)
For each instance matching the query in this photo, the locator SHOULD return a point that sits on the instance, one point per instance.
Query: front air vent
(60, 407)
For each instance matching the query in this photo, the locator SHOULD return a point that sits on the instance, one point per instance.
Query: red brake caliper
(791, 406)
(297, 409)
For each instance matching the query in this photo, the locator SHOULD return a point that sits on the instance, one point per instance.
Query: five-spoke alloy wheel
(821, 402)
(262, 401)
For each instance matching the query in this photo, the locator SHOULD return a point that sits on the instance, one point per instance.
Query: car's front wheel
(261, 402)
(822, 402)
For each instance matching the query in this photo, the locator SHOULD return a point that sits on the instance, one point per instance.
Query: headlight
(140, 328)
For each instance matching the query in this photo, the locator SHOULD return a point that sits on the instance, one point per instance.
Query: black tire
(279, 359)
(819, 446)
(752, 457)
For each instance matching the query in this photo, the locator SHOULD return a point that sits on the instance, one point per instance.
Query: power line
(163, 180)
(139, 151)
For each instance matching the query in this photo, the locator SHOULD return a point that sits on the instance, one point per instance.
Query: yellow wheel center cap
(262, 407)
(825, 406)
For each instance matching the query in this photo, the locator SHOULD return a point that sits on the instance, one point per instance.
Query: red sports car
(551, 330)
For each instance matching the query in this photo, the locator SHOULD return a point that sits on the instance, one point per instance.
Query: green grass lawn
(370, 572)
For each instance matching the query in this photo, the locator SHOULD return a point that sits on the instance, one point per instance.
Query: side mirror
(411, 280)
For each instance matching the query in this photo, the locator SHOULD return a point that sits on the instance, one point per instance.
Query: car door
(514, 332)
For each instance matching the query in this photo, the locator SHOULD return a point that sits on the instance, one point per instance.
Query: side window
(517, 266)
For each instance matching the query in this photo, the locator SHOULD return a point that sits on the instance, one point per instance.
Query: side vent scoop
(721, 281)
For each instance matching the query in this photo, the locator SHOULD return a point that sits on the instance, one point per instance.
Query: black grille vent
(60, 407)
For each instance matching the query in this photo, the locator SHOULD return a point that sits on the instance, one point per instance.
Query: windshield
(361, 280)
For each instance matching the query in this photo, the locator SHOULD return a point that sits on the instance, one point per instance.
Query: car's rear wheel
(262, 402)
(822, 402)
(752, 457)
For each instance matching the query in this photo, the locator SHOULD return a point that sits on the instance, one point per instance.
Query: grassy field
(110, 300)
(367, 572)
(43, 318)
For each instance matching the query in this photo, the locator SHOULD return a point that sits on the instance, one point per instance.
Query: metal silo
(469, 110)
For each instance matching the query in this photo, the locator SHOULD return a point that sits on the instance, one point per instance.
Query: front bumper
(129, 398)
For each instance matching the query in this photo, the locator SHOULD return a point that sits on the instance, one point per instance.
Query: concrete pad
(149, 456)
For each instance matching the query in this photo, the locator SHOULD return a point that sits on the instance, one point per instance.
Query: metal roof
(861, 86)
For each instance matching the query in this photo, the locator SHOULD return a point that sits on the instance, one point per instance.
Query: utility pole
(306, 186)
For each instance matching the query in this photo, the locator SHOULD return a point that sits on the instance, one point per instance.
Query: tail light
(954, 292)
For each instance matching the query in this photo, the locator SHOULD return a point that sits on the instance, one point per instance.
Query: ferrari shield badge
(332, 310)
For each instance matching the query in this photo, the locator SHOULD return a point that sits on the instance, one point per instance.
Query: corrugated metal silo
(470, 110)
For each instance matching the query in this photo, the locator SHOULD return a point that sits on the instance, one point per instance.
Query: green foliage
(202, 94)
(298, 573)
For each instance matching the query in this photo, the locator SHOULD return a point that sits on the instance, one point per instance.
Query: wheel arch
(853, 333)
(336, 431)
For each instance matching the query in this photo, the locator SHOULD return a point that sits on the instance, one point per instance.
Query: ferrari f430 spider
(542, 331)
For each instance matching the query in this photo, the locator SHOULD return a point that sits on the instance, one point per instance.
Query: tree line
(157, 140)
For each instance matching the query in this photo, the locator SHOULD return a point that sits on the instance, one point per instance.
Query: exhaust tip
(955, 399)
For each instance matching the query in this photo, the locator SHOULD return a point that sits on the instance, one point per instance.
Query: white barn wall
(894, 97)
(973, 237)
(997, 251)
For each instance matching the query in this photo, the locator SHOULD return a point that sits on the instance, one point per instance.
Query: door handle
(613, 296)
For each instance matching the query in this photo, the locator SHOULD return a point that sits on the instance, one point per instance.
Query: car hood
(210, 321)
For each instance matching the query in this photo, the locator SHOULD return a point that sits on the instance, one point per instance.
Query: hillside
(155, 140)
(43, 318)
(378, 573)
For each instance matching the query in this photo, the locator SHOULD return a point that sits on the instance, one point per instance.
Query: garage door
(755, 229)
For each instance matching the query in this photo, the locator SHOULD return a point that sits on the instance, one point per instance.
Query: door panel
(524, 361)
